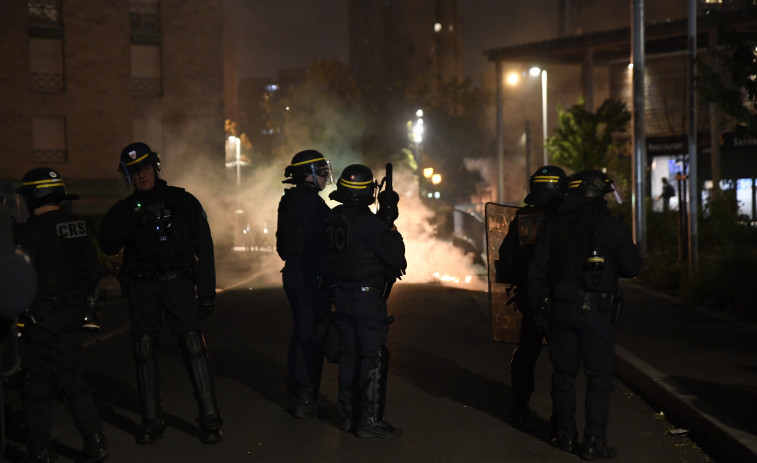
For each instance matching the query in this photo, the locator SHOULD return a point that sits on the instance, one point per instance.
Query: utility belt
(603, 301)
(161, 276)
(383, 289)
(42, 308)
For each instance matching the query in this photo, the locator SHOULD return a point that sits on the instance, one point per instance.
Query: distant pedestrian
(64, 257)
(578, 258)
(300, 242)
(364, 255)
(168, 273)
(667, 192)
(546, 190)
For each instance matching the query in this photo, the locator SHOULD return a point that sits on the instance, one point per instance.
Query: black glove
(388, 206)
(206, 306)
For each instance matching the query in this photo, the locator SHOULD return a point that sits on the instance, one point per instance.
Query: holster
(618, 304)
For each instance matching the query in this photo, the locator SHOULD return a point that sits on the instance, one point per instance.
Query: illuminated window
(49, 138)
(46, 63)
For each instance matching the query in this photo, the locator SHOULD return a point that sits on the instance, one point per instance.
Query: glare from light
(437, 195)
(287, 108)
(436, 179)
(428, 172)
(437, 27)
(630, 66)
(512, 78)
(430, 195)
(534, 71)
(419, 113)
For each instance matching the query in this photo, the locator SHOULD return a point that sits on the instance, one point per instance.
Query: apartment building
(83, 79)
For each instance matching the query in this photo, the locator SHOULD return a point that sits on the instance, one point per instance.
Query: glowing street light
(513, 78)
(436, 179)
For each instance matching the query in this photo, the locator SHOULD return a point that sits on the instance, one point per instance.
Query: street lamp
(534, 72)
(237, 162)
(512, 79)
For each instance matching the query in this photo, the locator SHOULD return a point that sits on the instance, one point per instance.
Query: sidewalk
(696, 366)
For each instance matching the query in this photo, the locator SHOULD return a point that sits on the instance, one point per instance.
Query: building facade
(405, 43)
(90, 77)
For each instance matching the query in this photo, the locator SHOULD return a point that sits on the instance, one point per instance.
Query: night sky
(282, 34)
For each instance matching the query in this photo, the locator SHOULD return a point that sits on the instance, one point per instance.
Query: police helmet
(305, 163)
(41, 186)
(134, 157)
(546, 184)
(590, 183)
(356, 185)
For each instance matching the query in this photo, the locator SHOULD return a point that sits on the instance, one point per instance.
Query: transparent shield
(505, 319)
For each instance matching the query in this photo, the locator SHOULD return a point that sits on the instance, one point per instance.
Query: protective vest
(347, 257)
(59, 271)
(574, 239)
(290, 234)
(163, 234)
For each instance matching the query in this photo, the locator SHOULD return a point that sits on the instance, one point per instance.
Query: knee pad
(145, 349)
(192, 344)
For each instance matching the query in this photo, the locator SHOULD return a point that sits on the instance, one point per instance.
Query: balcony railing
(47, 82)
(45, 13)
(144, 86)
(49, 155)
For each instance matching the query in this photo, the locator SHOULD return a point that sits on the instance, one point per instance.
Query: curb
(714, 431)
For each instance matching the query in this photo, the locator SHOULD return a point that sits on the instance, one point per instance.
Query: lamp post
(534, 72)
(418, 133)
(238, 213)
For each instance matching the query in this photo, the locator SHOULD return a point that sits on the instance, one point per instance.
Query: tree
(727, 77)
(584, 140)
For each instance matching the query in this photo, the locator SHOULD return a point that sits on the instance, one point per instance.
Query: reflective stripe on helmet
(308, 161)
(545, 179)
(575, 183)
(355, 185)
(141, 158)
(46, 183)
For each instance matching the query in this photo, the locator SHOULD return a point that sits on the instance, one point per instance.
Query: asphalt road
(448, 389)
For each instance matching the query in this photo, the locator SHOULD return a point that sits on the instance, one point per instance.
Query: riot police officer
(168, 272)
(300, 238)
(578, 258)
(546, 189)
(64, 257)
(364, 255)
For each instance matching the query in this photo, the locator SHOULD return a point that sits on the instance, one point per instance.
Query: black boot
(349, 408)
(566, 441)
(595, 448)
(306, 404)
(373, 401)
(148, 384)
(46, 455)
(198, 365)
(95, 448)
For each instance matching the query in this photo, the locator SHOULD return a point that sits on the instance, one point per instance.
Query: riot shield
(504, 318)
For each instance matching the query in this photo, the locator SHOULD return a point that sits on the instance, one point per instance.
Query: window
(49, 138)
(46, 64)
(145, 20)
(44, 14)
(145, 70)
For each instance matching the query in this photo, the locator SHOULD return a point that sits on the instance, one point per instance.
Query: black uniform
(581, 305)
(168, 252)
(514, 256)
(67, 269)
(300, 243)
(363, 256)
